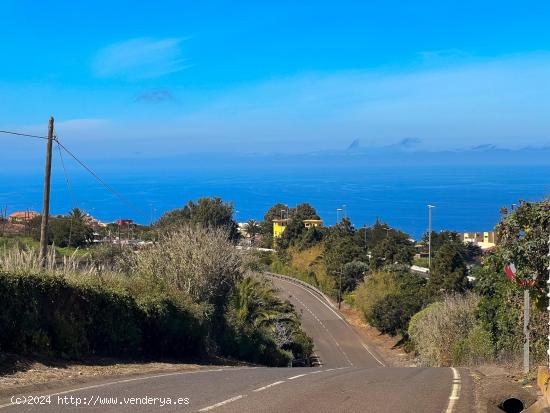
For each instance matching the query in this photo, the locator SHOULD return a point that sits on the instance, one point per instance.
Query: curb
(543, 382)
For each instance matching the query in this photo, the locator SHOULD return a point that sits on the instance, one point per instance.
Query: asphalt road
(352, 378)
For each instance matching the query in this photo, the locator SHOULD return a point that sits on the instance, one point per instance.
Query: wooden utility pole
(46, 208)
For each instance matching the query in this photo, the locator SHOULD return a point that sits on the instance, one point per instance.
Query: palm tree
(252, 229)
(256, 303)
(76, 214)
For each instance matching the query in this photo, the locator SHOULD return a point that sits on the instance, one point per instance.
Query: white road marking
(269, 385)
(372, 354)
(296, 377)
(455, 390)
(232, 399)
(156, 376)
(322, 325)
(337, 315)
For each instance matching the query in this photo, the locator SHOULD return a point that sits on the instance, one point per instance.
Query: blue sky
(163, 78)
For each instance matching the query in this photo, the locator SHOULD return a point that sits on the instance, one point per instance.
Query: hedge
(51, 315)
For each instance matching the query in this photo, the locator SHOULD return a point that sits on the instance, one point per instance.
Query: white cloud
(503, 101)
(141, 58)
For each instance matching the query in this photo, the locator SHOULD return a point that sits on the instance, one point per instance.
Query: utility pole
(46, 207)
(430, 236)
(4, 219)
(548, 295)
(526, 315)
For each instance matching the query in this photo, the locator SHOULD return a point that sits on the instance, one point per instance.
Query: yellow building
(484, 240)
(313, 223)
(279, 225)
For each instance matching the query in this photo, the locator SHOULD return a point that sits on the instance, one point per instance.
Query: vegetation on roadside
(190, 294)
(465, 312)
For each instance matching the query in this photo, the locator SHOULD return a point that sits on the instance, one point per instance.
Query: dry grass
(18, 260)
(447, 333)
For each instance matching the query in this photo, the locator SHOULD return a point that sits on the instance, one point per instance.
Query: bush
(447, 333)
(263, 328)
(46, 314)
(392, 315)
(389, 297)
(374, 290)
(200, 262)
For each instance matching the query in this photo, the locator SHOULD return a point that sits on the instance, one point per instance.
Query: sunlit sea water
(466, 199)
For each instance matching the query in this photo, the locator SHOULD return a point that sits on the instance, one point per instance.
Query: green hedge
(46, 314)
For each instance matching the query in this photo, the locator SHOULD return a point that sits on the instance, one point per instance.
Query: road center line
(269, 385)
(337, 315)
(232, 399)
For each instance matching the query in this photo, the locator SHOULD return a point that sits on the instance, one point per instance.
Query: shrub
(392, 315)
(201, 262)
(262, 327)
(50, 314)
(374, 290)
(447, 333)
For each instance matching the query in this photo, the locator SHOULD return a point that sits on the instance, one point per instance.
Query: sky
(175, 77)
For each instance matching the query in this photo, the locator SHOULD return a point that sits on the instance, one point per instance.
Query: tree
(449, 271)
(69, 232)
(341, 248)
(206, 212)
(304, 211)
(76, 214)
(469, 251)
(396, 248)
(252, 229)
(352, 274)
(522, 239)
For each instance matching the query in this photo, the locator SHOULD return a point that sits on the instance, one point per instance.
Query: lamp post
(430, 207)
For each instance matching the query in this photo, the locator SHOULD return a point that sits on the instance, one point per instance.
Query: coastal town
(125, 231)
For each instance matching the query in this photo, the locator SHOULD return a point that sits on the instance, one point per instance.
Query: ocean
(466, 198)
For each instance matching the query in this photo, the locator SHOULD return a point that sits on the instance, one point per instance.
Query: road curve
(352, 378)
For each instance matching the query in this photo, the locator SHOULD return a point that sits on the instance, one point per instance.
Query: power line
(67, 181)
(98, 178)
(69, 189)
(23, 134)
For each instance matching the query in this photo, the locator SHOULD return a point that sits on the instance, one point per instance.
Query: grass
(421, 262)
(29, 243)
(308, 266)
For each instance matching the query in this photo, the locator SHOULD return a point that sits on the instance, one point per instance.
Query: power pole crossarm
(46, 207)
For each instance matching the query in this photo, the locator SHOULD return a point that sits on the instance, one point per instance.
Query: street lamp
(430, 207)
(338, 215)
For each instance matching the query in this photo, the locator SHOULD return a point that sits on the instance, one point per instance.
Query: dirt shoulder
(20, 375)
(388, 347)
